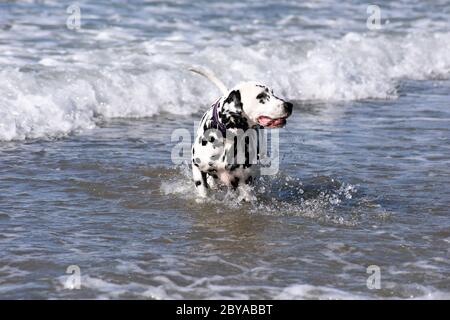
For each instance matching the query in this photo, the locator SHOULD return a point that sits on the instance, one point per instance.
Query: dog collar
(215, 119)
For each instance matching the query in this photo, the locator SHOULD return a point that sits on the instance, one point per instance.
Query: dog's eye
(261, 96)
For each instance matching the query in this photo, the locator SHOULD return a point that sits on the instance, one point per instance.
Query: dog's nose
(288, 107)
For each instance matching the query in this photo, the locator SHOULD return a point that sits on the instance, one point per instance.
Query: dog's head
(251, 103)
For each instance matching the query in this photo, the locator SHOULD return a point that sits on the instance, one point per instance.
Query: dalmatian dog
(231, 124)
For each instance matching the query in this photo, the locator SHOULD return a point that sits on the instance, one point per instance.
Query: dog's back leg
(200, 181)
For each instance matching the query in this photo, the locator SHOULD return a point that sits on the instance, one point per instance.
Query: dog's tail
(211, 77)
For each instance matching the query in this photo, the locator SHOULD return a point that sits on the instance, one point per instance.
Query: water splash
(322, 198)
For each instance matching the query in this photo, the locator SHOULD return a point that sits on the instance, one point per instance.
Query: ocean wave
(69, 93)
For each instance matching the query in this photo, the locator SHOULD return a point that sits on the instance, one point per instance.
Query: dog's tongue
(269, 122)
(264, 121)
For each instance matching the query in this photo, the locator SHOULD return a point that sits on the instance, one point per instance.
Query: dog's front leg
(200, 181)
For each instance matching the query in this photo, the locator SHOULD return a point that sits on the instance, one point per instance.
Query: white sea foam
(67, 93)
(214, 288)
(305, 291)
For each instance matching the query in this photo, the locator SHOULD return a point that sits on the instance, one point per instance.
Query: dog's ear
(235, 98)
(232, 115)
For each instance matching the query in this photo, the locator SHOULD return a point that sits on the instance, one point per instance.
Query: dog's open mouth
(272, 123)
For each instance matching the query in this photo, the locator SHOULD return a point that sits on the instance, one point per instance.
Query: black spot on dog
(234, 120)
(197, 160)
(232, 167)
(261, 96)
(204, 142)
(197, 183)
(249, 180)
